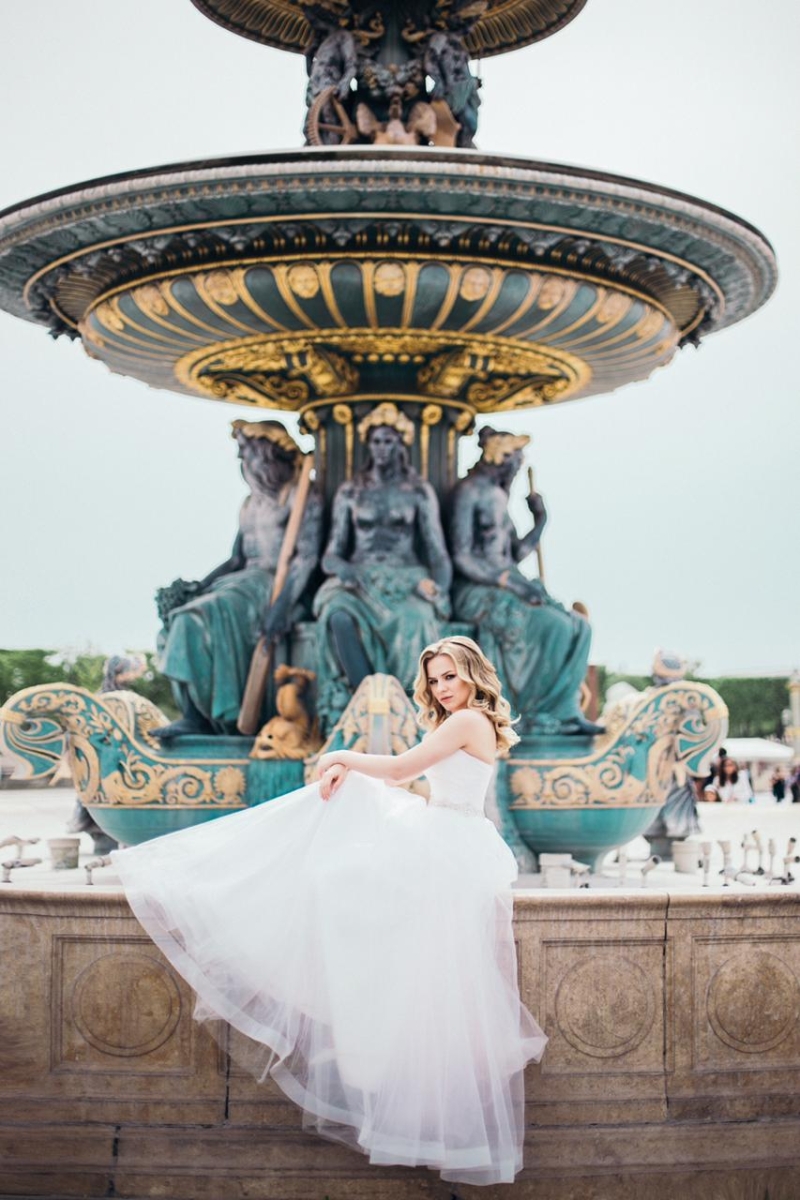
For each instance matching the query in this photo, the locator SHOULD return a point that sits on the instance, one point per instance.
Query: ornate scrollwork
(141, 781)
(111, 750)
(634, 761)
(502, 377)
(282, 373)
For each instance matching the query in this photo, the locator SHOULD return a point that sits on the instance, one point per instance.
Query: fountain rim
(433, 154)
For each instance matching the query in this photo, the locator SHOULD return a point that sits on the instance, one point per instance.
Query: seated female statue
(389, 568)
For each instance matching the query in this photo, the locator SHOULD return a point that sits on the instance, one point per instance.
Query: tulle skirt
(364, 950)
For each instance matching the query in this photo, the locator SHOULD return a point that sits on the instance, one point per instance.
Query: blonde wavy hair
(474, 668)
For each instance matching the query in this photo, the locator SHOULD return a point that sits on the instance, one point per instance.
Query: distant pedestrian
(794, 784)
(717, 769)
(734, 784)
(778, 785)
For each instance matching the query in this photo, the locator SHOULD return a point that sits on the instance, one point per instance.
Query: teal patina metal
(407, 291)
(588, 799)
(551, 793)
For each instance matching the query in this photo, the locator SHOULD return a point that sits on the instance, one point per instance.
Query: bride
(358, 939)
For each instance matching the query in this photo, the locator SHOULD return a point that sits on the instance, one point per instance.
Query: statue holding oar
(211, 635)
(541, 650)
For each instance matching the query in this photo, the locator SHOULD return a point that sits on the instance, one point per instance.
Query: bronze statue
(331, 70)
(447, 63)
(390, 572)
(210, 636)
(541, 650)
(367, 72)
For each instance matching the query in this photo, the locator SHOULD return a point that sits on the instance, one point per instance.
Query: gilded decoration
(113, 756)
(284, 373)
(475, 283)
(387, 414)
(390, 279)
(140, 781)
(290, 372)
(280, 334)
(304, 281)
(380, 719)
(704, 268)
(502, 376)
(633, 764)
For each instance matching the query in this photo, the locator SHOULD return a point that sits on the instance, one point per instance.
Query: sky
(673, 502)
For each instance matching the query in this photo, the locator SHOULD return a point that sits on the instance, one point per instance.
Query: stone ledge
(675, 1044)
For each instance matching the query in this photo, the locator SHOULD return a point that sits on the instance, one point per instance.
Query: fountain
(388, 263)
(389, 283)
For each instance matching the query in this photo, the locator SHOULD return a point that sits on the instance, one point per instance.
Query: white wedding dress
(364, 949)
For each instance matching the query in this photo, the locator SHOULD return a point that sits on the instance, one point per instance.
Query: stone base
(672, 1068)
(247, 1164)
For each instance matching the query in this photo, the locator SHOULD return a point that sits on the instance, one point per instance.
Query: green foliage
(157, 688)
(755, 705)
(27, 668)
(609, 678)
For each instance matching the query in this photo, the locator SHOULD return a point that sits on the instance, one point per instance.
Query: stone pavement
(44, 812)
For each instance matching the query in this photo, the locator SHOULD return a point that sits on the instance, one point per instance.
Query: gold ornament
(431, 414)
(475, 283)
(500, 446)
(151, 300)
(220, 287)
(273, 431)
(390, 279)
(304, 281)
(387, 414)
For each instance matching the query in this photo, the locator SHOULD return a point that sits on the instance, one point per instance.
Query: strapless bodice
(460, 783)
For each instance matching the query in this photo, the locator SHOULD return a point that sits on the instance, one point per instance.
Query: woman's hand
(326, 760)
(331, 780)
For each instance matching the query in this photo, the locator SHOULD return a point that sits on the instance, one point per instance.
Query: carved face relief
(475, 284)
(385, 446)
(261, 470)
(509, 467)
(390, 279)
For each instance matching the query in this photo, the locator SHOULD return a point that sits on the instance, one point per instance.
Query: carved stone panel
(734, 1002)
(746, 997)
(117, 1007)
(604, 1006)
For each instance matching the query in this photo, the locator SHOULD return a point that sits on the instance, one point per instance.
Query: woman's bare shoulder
(471, 718)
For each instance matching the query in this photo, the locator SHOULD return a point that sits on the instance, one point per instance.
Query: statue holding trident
(211, 633)
(541, 650)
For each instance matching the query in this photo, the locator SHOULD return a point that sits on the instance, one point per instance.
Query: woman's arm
(464, 730)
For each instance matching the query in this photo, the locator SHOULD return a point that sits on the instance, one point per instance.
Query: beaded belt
(466, 810)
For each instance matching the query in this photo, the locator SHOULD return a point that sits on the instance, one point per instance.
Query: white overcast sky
(675, 503)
